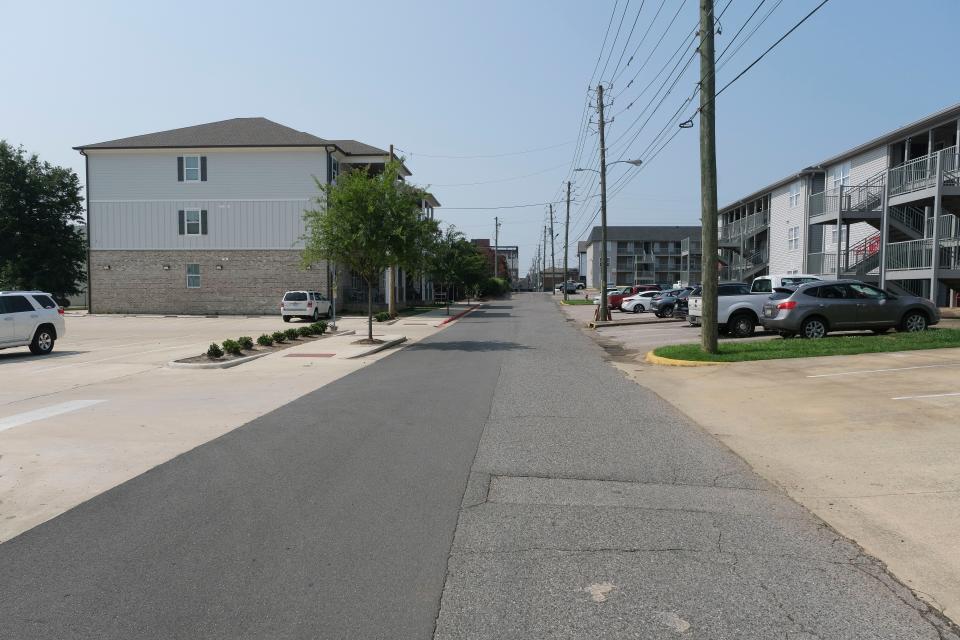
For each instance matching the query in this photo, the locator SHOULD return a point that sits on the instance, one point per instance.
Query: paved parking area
(104, 407)
(869, 443)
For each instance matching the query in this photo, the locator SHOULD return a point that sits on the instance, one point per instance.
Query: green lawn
(578, 301)
(829, 346)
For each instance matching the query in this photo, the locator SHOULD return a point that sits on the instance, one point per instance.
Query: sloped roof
(236, 132)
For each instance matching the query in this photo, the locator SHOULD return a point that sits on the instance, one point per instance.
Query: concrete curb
(670, 362)
(379, 347)
(459, 315)
(594, 324)
(217, 365)
(226, 364)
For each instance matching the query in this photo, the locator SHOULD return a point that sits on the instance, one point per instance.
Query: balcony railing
(866, 197)
(921, 173)
(910, 216)
(822, 263)
(909, 255)
(745, 226)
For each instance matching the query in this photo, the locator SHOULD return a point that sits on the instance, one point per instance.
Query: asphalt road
(498, 480)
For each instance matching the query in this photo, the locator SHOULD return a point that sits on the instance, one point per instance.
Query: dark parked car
(816, 308)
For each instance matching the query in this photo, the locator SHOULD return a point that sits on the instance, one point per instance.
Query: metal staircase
(863, 257)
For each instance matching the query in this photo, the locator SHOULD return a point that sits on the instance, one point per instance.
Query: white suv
(308, 305)
(30, 318)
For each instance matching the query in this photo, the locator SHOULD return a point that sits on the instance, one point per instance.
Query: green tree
(454, 261)
(366, 223)
(41, 212)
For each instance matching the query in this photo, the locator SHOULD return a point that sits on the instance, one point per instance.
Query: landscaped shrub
(266, 340)
(323, 326)
(305, 332)
(246, 342)
(232, 347)
(214, 351)
(382, 316)
(279, 336)
(291, 334)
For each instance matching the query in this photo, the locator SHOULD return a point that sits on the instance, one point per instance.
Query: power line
(506, 206)
(493, 155)
(604, 45)
(759, 58)
(626, 43)
(656, 46)
(615, 38)
(529, 175)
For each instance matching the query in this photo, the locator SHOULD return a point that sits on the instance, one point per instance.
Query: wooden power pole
(496, 241)
(566, 244)
(603, 313)
(553, 257)
(708, 179)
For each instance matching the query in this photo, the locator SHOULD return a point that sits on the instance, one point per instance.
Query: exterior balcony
(733, 233)
(917, 179)
(860, 203)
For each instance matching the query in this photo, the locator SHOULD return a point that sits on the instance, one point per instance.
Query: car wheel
(813, 328)
(667, 312)
(637, 308)
(43, 340)
(286, 318)
(913, 322)
(329, 312)
(741, 326)
(316, 315)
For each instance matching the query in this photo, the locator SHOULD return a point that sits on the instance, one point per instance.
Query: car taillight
(60, 310)
(309, 304)
(789, 304)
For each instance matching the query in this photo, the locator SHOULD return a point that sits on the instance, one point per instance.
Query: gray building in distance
(660, 255)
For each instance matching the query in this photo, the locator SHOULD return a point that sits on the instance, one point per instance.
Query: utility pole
(544, 260)
(566, 244)
(603, 313)
(553, 257)
(391, 278)
(496, 241)
(708, 179)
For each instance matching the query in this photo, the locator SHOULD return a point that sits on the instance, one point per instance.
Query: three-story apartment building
(660, 255)
(885, 211)
(209, 218)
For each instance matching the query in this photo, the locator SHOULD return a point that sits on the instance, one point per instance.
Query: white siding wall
(782, 218)
(254, 198)
(237, 174)
(260, 224)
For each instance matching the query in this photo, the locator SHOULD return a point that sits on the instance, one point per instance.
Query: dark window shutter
(179, 168)
(181, 222)
(203, 168)
(203, 222)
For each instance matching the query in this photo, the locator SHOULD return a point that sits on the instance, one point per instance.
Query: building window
(833, 235)
(191, 168)
(192, 219)
(334, 169)
(193, 276)
(841, 175)
(794, 194)
(793, 238)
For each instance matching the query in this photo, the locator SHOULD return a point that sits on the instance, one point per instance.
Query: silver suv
(816, 308)
(30, 319)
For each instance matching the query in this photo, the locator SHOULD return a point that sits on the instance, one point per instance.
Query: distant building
(642, 255)
(511, 254)
(503, 267)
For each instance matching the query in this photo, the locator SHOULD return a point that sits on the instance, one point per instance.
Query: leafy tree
(367, 223)
(454, 261)
(41, 212)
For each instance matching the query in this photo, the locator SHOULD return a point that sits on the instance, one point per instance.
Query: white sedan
(639, 302)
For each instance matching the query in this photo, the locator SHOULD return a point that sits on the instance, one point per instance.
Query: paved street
(496, 480)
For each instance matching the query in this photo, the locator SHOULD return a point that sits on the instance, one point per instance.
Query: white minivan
(767, 284)
(308, 305)
(30, 319)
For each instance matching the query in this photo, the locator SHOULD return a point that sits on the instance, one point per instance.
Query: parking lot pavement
(104, 408)
(869, 443)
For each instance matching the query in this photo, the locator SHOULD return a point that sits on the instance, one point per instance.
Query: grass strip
(577, 301)
(841, 345)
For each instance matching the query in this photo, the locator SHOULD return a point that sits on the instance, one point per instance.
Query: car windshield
(295, 296)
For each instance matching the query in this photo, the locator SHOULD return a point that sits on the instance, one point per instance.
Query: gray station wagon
(816, 308)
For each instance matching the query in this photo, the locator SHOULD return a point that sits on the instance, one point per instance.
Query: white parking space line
(18, 419)
(853, 373)
(929, 395)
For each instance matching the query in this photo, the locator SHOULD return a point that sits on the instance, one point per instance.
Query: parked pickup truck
(738, 310)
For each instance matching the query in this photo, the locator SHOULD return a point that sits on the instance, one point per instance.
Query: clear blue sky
(479, 78)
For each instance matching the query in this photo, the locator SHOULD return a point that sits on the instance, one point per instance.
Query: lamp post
(603, 311)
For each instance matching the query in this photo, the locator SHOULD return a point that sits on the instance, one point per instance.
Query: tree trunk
(448, 300)
(370, 310)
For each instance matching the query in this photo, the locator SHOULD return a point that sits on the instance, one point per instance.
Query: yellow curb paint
(670, 362)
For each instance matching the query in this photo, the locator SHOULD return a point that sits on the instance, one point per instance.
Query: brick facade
(248, 282)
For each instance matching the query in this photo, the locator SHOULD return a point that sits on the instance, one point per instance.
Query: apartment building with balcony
(209, 218)
(660, 255)
(885, 212)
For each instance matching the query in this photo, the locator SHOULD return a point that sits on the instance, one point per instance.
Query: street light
(602, 310)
